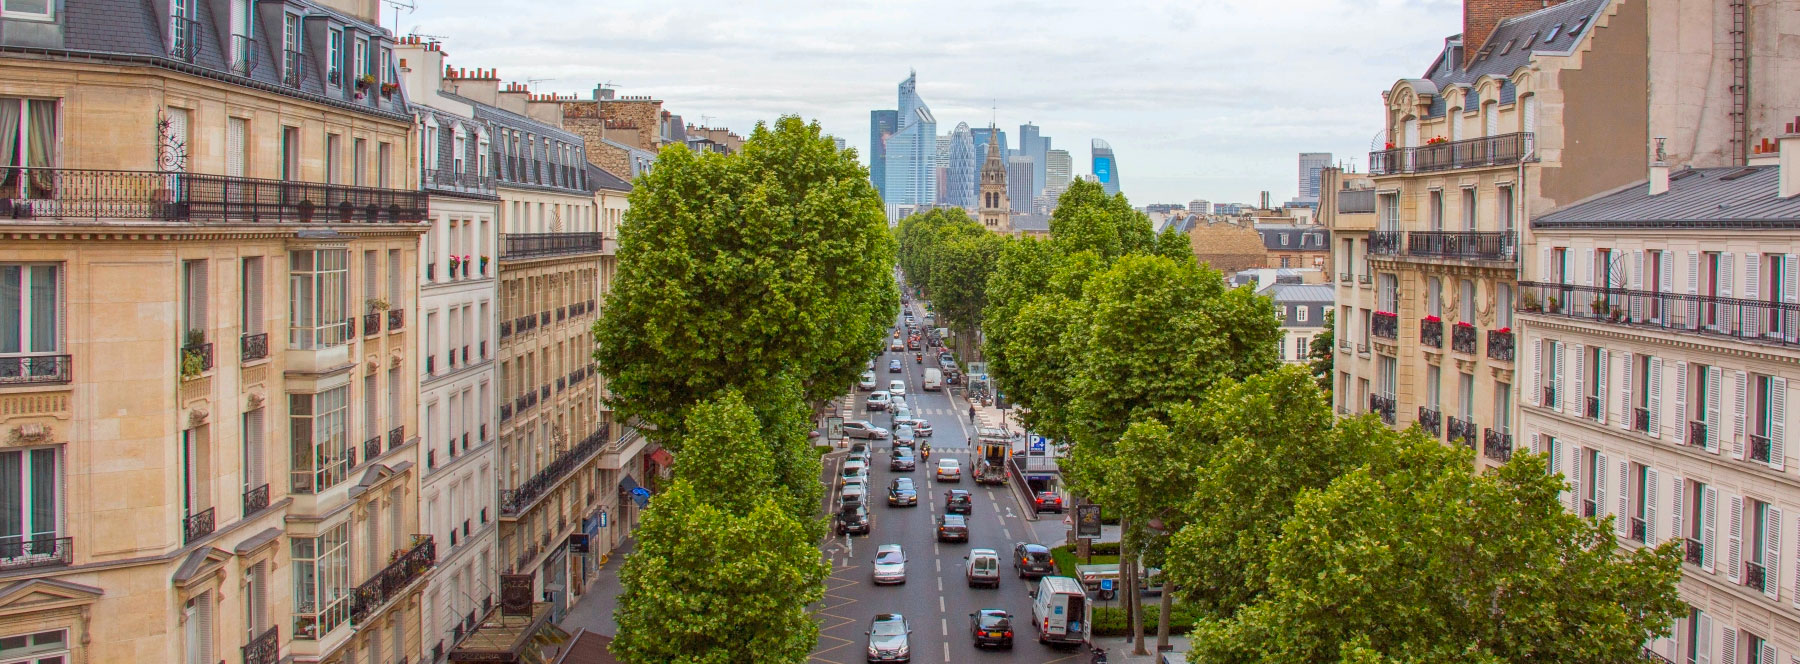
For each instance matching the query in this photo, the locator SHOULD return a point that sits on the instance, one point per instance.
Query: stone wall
(1228, 247)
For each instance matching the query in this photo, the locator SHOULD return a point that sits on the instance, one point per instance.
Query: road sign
(604, 517)
(1037, 443)
(834, 429)
(1087, 519)
(1106, 585)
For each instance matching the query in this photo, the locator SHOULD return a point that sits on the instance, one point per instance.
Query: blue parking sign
(1037, 443)
(1106, 584)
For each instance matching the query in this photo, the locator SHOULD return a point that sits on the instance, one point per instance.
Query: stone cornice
(1667, 338)
(194, 233)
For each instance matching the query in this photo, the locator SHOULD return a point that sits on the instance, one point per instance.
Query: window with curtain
(322, 582)
(28, 138)
(318, 282)
(30, 309)
(29, 9)
(50, 647)
(30, 513)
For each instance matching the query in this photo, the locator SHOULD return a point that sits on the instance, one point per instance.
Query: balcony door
(30, 513)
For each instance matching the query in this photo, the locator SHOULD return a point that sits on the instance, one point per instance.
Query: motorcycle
(918, 358)
(1099, 656)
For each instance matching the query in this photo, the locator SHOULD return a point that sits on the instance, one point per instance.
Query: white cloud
(1199, 98)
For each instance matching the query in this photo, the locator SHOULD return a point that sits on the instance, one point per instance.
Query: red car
(1047, 501)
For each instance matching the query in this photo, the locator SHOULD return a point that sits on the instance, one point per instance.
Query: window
(237, 146)
(383, 152)
(319, 439)
(334, 58)
(359, 162)
(31, 143)
(1503, 303)
(290, 153)
(1300, 314)
(254, 460)
(1300, 347)
(361, 64)
(1503, 408)
(322, 583)
(30, 508)
(1434, 296)
(1699, 637)
(1468, 208)
(183, 36)
(1390, 212)
(318, 281)
(334, 159)
(1389, 295)
(50, 647)
(1436, 209)
(1467, 305)
(1434, 377)
(30, 314)
(193, 299)
(243, 25)
(1466, 392)
(29, 9)
(1550, 365)
(197, 629)
(1503, 205)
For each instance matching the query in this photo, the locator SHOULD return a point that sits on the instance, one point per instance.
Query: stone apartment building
(1295, 245)
(209, 443)
(622, 134)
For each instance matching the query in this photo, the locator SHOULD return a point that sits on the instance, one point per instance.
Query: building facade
(193, 177)
(1310, 165)
(1032, 143)
(1301, 308)
(882, 124)
(1058, 173)
(996, 211)
(1105, 166)
(962, 182)
(1296, 245)
(911, 152)
(1019, 172)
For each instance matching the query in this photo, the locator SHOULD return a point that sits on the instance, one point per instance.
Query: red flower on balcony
(1386, 313)
(1433, 319)
(1390, 145)
(1436, 140)
(1463, 323)
(1504, 330)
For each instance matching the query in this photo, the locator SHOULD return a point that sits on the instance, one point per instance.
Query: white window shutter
(1677, 496)
(1796, 594)
(1637, 284)
(1537, 373)
(1752, 274)
(1734, 540)
(1737, 411)
(1562, 374)
(1768, 653)
(1625, 408)
(1681, 392)
(1604, 359)
(1651, 481)
(1577, 397)
(1790, 293)
(1575, 480)
(1709, 530)
(1600, 505)
(1703, 649)
(1693, 277)
(1587, 256)
(1727, 273)
(1655, 397)
(1728, 646)
(1777, 423)
(1623, 522)
(1772, 553)
(1544, 264)
(1714, 396)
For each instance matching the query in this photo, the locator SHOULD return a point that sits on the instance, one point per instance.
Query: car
(991, 627)
(903, 460)
(948, 470)
(911, 321)
(894, 366)
(890, 564)
(958, 501)
(983, 568)
(919, 426)
(900, 492)
(900, 408)
(855, 493)
(868, 381)
(853, 519)
(878, 401)
(890, 638)
(897, 388)
(1047, 501)
(952, 528)
(864, 429)
(853, 470)
(1032, 561)
(905, 436)
(912, 344)
(897, 345)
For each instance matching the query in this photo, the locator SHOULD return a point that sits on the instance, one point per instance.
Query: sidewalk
(1118, 649)
(594, 610)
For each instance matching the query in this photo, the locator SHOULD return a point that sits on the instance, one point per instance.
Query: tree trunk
(1135, 595)
(1162, 619)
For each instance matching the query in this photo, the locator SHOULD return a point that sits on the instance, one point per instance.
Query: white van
(934, 379)
(984, 568)
(1060, 611)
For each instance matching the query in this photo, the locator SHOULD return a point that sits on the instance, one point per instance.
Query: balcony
(1694, 553)
(34, 370)
(1696, 433)
(264, 649)
(506, 329)
(1385, 325)
(371, 324)
(197, 525)
(253, 347)
(1463, 431)
(396, 320)
(1639, 530)
(1592, 408)
(458, 182)
(1382, 405)
(1462, 338)
(246, 54)
(1344, 277)
(1755, 321)
(1464, 245)
(1431, 332)
(1756, 577)
(1640, 420)
(506, 412)
(371, 447)
(1362, 348)
(1431, 421)
(184, 38)
(1501, 150)
(1549, 397)
(387, 584)
(1385, 243)
(514, 502)
(1759, 448)
(1648, 655)
(38, 552)
(256, 500)
(1500, 345)
(70, 194)
(519, 246)
(1497, 445)
(1589, 508)
(293, 65)
(1365, 279)
(201, 355)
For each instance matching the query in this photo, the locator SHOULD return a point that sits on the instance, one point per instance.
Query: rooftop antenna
(534, 81)
(706, 121)
(398, 5)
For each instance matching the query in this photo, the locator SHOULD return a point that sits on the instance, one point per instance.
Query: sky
(1208, 99)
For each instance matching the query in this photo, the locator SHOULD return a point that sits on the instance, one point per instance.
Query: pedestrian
(971, 413)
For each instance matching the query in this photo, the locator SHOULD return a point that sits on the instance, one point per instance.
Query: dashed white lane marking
(941, 604)
(944, 624)
(940, 582)
(938, 564)
(1008, 535)
(947, 649)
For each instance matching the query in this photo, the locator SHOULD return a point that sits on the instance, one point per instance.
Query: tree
(959, 278)
(1086, 219)
(1321, 353)
(734, 270)
(724, 568)
(1143, 481)
(1412, 558)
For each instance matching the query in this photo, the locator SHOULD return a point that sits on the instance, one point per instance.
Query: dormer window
(360, 66)
(1508, 47)
(334, 58)
(183, 33)
(1529, 40)
(30, 9)
(1553, 33)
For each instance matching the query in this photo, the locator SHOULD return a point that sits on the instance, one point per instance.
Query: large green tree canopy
(735, 270)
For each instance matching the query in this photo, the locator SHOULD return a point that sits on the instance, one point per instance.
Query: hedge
(1110, 620)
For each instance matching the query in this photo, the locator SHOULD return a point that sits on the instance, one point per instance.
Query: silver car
(890, 564)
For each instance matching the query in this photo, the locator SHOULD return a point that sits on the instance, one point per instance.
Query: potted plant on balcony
(364, 81)
(1436, 140)
(1618, 314)
(388, 90)
(192, 360)
(1389, 146)
(1599, 306)
(484, 262)
(1528, 302)
(306, 211)
(455, 261)
(1555, 304)
(377, 305)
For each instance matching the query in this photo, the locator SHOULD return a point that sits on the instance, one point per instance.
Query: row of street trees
(1292, 536)
(950, 256)
(750, 288)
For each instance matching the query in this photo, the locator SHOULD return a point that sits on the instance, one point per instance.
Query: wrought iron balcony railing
(514, 246)
(1593, 408)
(1759, 448)
(1648, 655)
(1385, 243)
(1755, 576)
(1385, 325)
(1465, 245)
(514, 502)
(1590, 508)
(1549, 397)
(1431, 421)
(254, 346)
(1640, 419)
(371, 324)
(1639, 530)
(1463, 431)
(387, 583)
(1696, 433)
(1462, 338)
(1431, 333)
(246, 54)
(1500, 345)
(458, 181)
(1497, 445)
(396, 320)
(396, 437)
(87, 194)
(197, 525)
(293, 66)
(18, 552)
(1501, 150)
(34, 369)
(1382, 405)
(1695, 552)
(264, 649)
(256, 500)
(184, 38)
(1759, 321)
(202, 352)
(371, 448)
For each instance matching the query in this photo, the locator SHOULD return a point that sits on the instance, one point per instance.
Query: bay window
(320, 447)
(322, 583)
(317, 302)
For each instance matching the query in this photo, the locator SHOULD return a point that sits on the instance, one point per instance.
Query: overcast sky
(1199, 98)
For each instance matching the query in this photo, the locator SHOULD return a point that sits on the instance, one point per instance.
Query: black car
(894, 366)
(1033, 561)
(903, 460)
(958, 501)
(853, 519)
(890, 638)
(952, 528)
(991, 627)
(901, 492)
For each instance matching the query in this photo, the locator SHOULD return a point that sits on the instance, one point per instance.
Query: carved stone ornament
(30, 434)
(395, 358)
(197, 417)
(373, 363)
(254, 401)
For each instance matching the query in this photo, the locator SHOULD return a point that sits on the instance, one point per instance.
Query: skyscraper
(1106, 168)
(964, 168)
(1199, 206)
(1310, 165)
(1033, 145)
(882, 124)
(981, 135)
(911, 171)
(1059, 169)
(1019, 170)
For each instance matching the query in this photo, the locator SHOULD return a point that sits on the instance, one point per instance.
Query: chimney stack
(1790, 160)
(1659, 170)
(1480, 17)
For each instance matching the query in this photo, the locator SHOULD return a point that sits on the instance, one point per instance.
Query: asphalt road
(936, 598)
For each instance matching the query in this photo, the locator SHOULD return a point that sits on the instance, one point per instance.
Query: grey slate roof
(1031, 222)
(600, 178)
(1525, 34)
(1301, 293)
(1728, 197)
(1299, 238)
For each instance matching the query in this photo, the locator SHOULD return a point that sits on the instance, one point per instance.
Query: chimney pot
(1789, 163)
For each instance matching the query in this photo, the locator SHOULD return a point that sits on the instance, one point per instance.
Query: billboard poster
(1103, 168)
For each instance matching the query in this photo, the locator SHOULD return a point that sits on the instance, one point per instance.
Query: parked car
(1032, 560)
(948, 470)
(900, 492)
(864, 429)
(894, 366)
(952, 528)
(890, 564)
(868, 381)
(903, 460)
(897, 388)
(878, 401)
(854, 493)
(991, 627)
(983, 569)
(958, 501)
(890, 638)
(853, 519)
(1047, 501)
